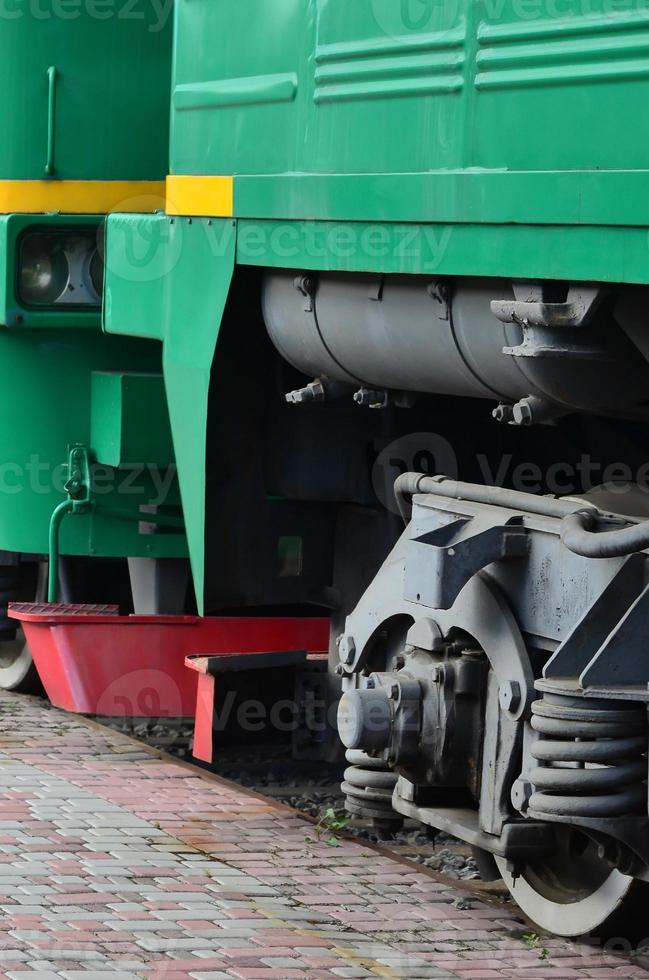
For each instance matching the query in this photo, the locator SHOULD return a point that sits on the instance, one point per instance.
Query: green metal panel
(176, 290)
(256, 59)
(139, 263)
(304, 128)
(381, 86)
(135, 297)
(617, 255)
(130, 420)
(45, 378)
(103, 115)
(462, 113)
(541, 198)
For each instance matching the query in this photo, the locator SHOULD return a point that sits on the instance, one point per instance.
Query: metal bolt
(510, 696)
(521, 793)
(522, 414)
(394, 692)
(514, 868)
(369, 398)
(304, 285)
(503, 413)
(314, 392)
(425, 634)
(437, 675)
(347, 650)
(371, 684)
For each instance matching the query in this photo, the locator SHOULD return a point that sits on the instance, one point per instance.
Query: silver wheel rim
(16, 661)
(573, 893)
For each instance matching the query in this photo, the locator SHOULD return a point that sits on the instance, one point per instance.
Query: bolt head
(521, 793)
(510, 696)
(522, 414)
(514, 868)
(347, 650)
(437, 674)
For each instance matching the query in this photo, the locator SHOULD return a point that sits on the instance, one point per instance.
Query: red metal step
(93, 661)
(209, 668)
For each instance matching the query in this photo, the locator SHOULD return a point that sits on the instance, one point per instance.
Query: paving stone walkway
(117, 862)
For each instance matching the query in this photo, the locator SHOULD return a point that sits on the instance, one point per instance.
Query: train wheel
(575, 891)
(17, 670)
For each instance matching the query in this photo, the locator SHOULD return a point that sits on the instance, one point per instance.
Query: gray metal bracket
(598, 622)
(546, 326)
(441, 562)
(622, 659)
(519, 839)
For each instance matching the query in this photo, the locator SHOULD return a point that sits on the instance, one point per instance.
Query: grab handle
(50, 166)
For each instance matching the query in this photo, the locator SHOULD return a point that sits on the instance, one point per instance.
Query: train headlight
(44, 270)
(60, 268)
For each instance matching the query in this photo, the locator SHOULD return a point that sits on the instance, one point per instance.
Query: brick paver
(114, 859)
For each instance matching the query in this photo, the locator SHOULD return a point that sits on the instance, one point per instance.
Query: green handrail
(55, 527)
(50, 166)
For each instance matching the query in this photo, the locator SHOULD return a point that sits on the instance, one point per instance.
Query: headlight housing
(60, 268)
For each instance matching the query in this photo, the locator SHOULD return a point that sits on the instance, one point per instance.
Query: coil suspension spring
(592, 758)
(368, 787)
